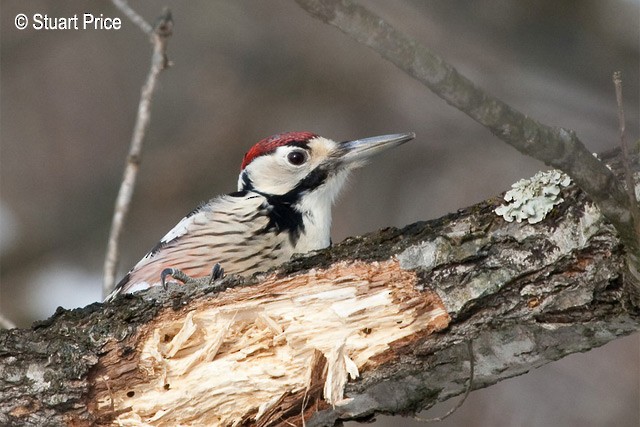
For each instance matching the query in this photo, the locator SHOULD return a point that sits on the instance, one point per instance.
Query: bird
(287, 185)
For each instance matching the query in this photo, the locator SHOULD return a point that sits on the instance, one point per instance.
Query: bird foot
(217, 272)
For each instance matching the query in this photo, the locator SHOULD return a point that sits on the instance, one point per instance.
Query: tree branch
(557, 147)
(133, 16)
(626, 157)
(159, 37)
(378, 323)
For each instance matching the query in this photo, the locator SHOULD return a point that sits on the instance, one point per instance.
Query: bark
(557, 147)
(378, 323)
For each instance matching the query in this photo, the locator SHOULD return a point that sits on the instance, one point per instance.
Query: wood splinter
(263, 353)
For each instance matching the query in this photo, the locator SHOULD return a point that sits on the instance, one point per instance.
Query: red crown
(268, 145)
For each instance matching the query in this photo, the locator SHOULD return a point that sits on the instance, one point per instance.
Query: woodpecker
(287, 185)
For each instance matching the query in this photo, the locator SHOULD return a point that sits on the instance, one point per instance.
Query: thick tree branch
(557, 147)
(159, 37)
(378, 323)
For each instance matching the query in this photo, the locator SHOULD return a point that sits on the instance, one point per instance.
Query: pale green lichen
(532, 199)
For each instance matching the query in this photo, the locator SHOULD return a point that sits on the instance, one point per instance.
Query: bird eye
(297, 157)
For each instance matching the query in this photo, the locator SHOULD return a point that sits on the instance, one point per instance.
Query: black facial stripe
(282, 213)
(315, 179)
(247, 185)
(283, 217)
(281, 208)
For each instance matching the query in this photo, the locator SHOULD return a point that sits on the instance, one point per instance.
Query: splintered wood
(258, 354)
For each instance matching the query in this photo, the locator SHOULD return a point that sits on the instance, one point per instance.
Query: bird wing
(224, 231)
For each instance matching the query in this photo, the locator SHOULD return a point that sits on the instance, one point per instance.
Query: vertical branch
(160, 34)
(633, 257)
(617, 82)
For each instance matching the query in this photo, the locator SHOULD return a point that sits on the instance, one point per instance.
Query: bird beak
(361, 149)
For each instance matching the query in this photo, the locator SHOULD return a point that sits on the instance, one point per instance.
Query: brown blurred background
(247, 69)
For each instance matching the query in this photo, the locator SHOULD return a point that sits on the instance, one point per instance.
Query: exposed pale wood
(236, 356)
(397, 306)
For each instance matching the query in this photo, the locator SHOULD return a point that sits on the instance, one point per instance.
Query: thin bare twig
(133, 16)
(633, 256)
(557, 147)
(626, 157)
(159, 37)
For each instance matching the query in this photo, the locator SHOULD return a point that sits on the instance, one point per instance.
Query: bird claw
(176, 274)
(217, 272)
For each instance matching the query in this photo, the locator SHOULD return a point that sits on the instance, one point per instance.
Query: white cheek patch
(274, 174)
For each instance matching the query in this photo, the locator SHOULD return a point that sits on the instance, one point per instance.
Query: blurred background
(244, 70)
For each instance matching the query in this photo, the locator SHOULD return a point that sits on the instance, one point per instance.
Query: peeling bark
(378, 323)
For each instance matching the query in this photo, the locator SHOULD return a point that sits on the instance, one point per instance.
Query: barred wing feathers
(227, 230)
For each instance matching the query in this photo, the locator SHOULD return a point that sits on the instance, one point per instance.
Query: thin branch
(557, 147)
(133, 16)
(159, 37)
(626, 157)
(633, 256)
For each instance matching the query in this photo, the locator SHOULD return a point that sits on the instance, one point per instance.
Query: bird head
(295, 164)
